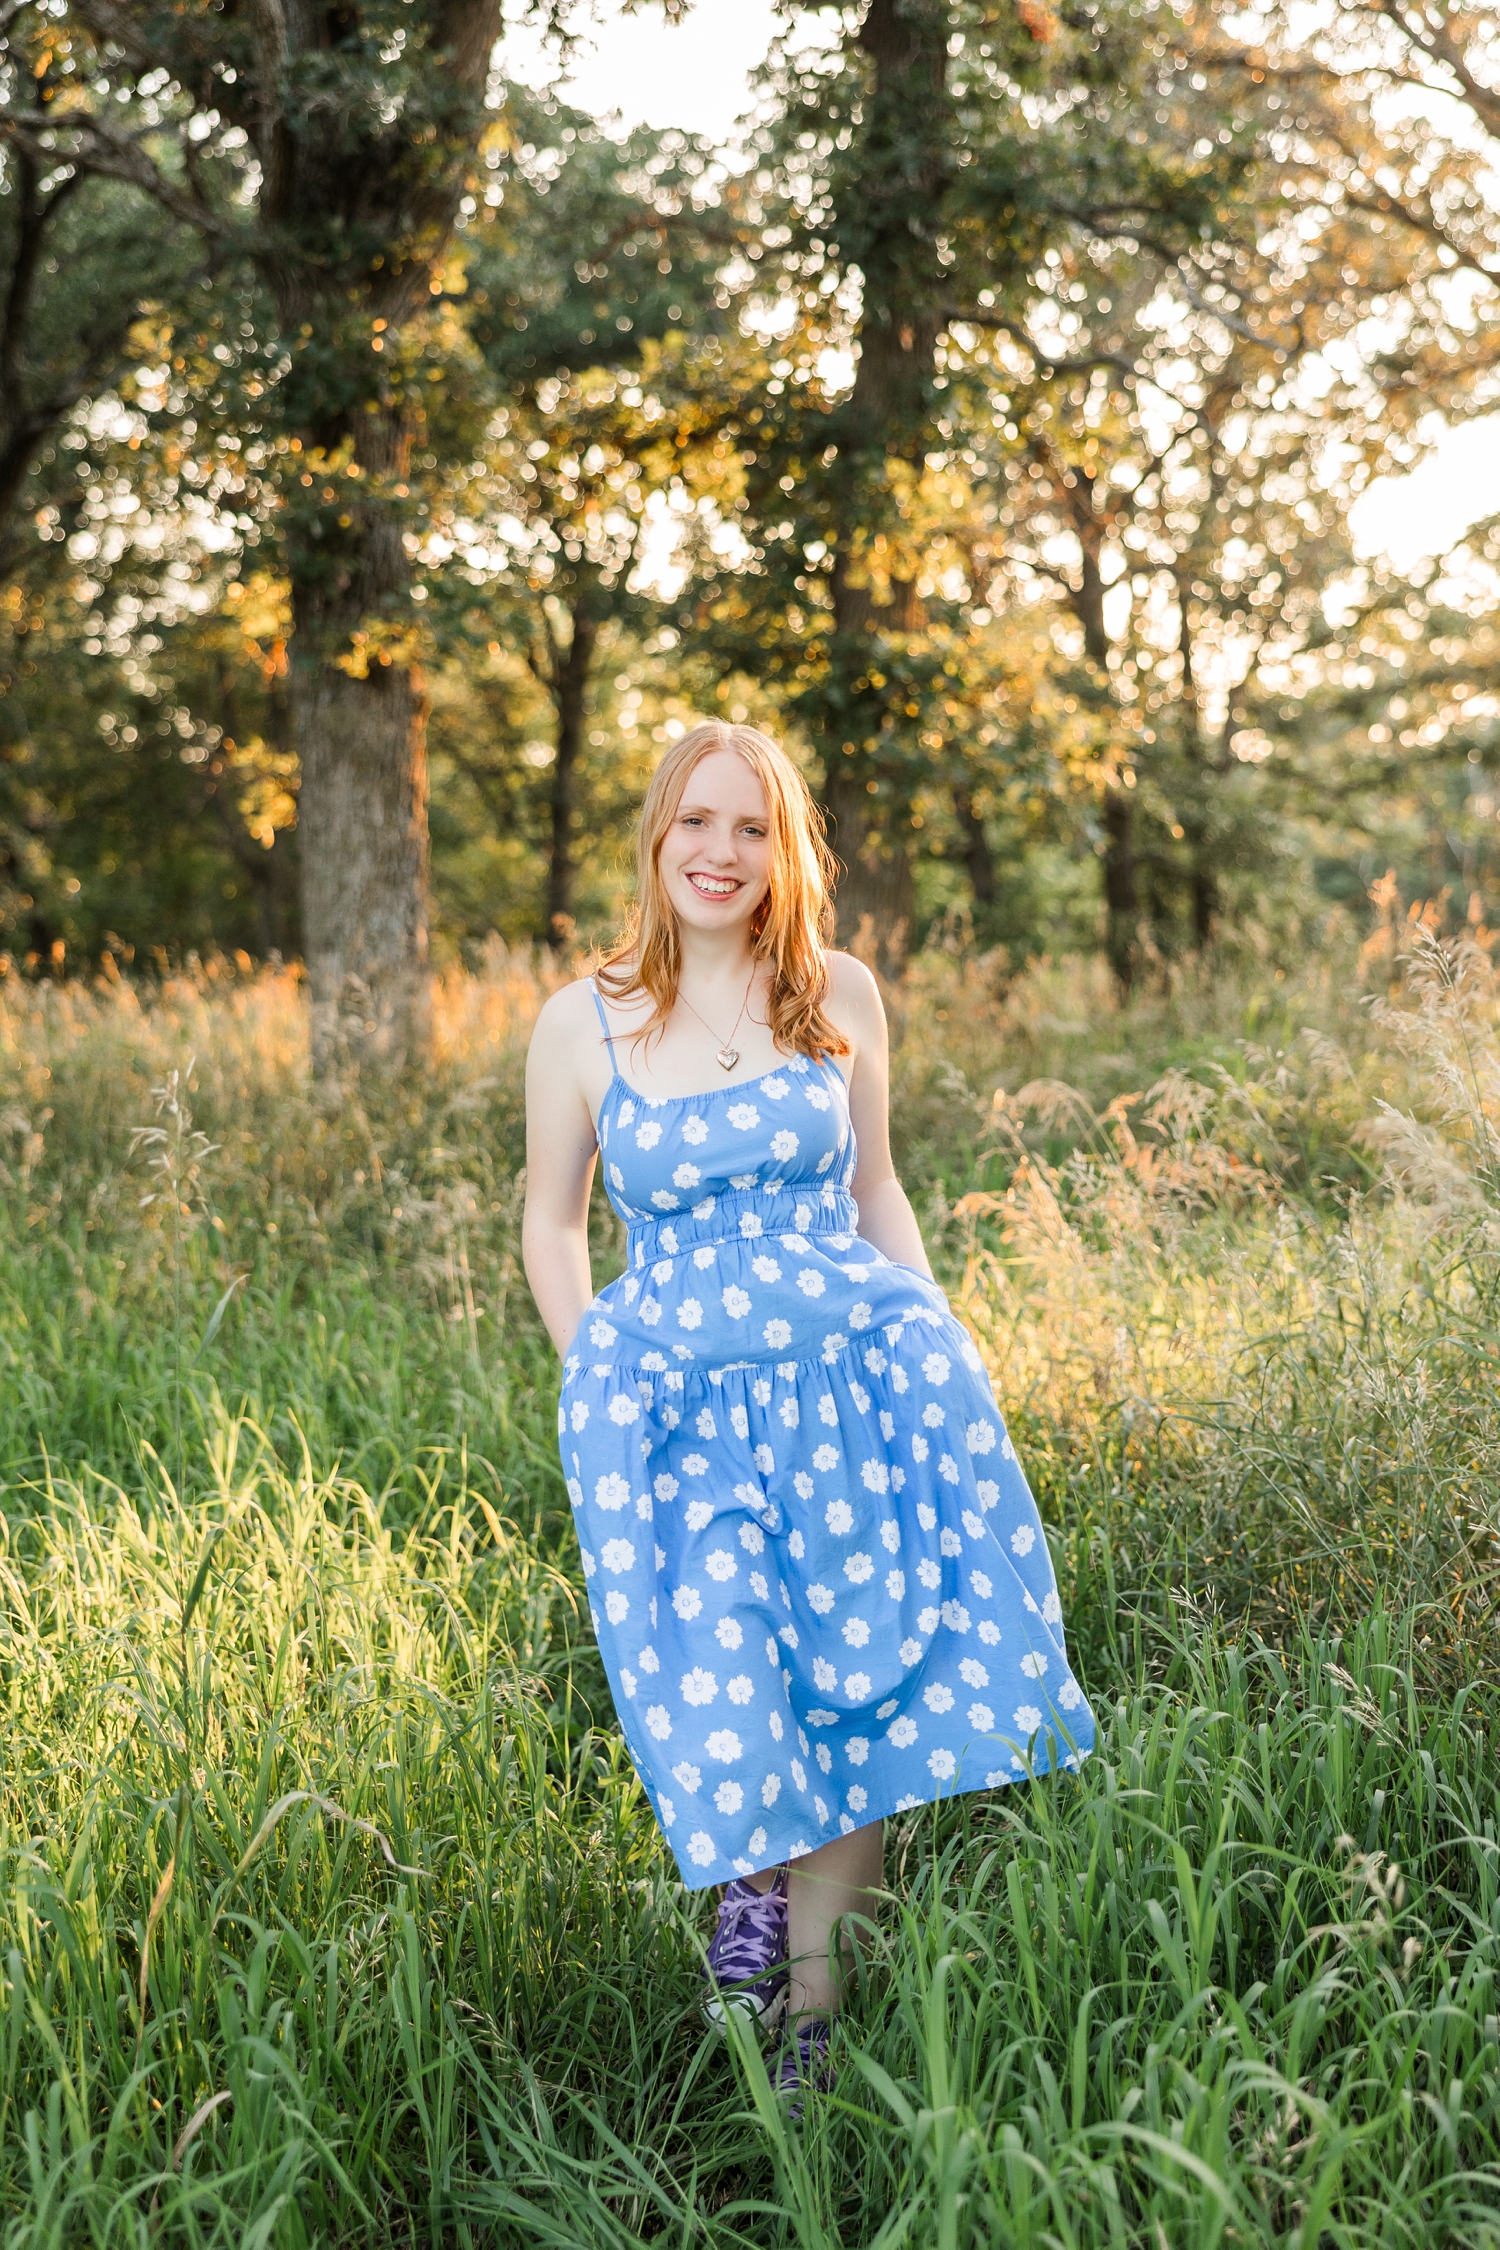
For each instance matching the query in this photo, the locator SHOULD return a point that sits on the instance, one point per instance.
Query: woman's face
(715, 859)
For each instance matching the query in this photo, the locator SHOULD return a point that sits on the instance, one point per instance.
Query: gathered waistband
(744, 1215)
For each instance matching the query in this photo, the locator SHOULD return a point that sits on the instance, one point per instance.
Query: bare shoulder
(565, 1016)
(852, 985)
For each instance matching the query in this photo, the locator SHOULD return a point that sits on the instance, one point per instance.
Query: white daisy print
(692, 1340)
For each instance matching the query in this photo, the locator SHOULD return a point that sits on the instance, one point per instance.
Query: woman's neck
(715, 957)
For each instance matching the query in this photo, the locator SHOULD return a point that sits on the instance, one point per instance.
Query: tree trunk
(978, 857)
(571, 698)
(868, 787)
(1205, 894)
(1203, 883)
(357, 211)
(360, 719)
(1121, 899)
(874, 901)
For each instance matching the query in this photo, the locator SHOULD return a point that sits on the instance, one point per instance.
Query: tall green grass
(329, 1909)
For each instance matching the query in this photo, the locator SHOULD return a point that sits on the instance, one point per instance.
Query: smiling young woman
(816, 1572)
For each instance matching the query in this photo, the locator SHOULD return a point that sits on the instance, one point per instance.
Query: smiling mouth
(715, 886)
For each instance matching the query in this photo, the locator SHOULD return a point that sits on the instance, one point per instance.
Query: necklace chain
(725, 1049)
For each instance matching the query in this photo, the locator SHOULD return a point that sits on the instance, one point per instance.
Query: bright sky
(696, 75)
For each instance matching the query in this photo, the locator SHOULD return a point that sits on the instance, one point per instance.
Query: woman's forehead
(723, 781)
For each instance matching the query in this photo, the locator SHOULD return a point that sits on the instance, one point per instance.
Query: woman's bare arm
(886, 1219)
(560, 1153)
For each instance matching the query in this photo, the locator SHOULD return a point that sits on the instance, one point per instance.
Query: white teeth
(715, 889)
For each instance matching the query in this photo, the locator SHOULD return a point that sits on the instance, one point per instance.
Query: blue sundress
(817, 1574)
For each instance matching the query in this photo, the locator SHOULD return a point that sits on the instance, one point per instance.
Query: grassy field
(329, 1910)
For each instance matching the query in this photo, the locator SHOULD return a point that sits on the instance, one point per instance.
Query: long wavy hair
(792, 924)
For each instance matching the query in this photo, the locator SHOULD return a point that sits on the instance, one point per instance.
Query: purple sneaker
(747, 1954)
(803, 2067)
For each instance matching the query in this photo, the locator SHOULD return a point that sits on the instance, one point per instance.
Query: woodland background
(985, 424)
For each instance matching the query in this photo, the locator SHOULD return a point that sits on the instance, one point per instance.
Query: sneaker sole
(764, 2017)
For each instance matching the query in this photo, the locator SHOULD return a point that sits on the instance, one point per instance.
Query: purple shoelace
(748, 1949)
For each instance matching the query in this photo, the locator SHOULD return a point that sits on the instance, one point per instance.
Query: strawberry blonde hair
(792, 924)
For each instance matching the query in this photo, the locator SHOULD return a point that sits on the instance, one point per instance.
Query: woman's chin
(710, 914)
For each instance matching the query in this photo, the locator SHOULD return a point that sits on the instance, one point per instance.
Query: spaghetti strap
(604, 1020)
